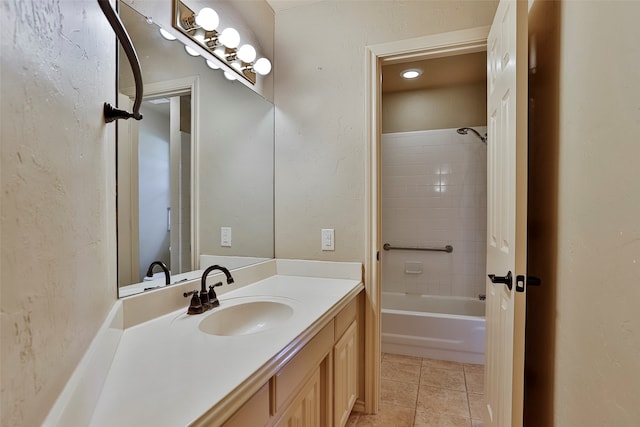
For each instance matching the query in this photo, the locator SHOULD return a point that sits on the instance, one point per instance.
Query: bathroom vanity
(316, 385)
(283, 348)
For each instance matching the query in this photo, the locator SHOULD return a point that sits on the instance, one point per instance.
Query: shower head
(465, 131)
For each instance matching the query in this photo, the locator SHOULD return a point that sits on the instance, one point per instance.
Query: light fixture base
(184, 22)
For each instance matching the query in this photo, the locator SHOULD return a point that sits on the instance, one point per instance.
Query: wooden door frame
(433, 46)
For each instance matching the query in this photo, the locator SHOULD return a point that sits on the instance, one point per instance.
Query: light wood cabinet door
(305, 409)
(345, 361)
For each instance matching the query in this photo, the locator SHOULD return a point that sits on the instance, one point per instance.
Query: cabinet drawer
(255, 412)
(346, 316)
(296, 372)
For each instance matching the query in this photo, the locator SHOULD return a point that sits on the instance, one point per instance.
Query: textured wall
(320, 117)
(583, 345)
(57, 214)
(598, 326)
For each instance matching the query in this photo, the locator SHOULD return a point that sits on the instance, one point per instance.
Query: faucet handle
(213, 298)
(195, 306)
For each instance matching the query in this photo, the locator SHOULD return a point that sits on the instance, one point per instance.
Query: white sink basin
(246, 318)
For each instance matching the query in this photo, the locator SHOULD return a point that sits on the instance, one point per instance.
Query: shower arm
(465, 131)
(483, 138)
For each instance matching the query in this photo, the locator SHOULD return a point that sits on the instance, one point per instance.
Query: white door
(507, 213)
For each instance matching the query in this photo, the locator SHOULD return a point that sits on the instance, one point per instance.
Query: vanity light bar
(224, 45)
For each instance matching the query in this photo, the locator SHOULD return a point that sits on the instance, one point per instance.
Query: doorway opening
(433, 198)
(164, 184)
(429, 47)
(156, 181)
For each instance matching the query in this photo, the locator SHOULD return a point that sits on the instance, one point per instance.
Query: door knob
(506, 280)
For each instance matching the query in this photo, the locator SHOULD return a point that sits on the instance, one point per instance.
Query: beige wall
(320, 117)
(236, 170)
(583, 343)
(439, 108)
(58, 198)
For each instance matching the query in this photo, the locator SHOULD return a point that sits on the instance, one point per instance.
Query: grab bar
(111, 113)
(388, 247)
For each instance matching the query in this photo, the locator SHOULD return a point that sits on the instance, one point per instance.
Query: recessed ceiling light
(411, 74)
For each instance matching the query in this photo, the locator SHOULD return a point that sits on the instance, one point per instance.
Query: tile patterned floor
(418, 392)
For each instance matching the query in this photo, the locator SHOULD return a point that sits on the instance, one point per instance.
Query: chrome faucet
(207, 299)
(163, 266)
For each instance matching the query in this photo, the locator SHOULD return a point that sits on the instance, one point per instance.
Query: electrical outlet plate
(225, 236)
(328, 239)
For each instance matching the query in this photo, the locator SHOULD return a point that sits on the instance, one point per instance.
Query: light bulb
(208, 19)
(411, 74)
(262, 66)
(166, 34)
(246, 53)
(212, 65)
(230, 38)
(229, 75)
(191, 51)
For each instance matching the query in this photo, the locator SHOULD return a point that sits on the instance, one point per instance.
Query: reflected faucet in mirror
(163, 266)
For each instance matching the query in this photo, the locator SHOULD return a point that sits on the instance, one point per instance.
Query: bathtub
(435, 327)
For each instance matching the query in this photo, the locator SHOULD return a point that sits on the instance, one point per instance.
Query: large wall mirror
(195, 176)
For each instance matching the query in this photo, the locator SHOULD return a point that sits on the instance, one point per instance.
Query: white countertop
(166, 372)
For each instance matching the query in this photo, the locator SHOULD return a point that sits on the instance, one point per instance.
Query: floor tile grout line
(466, 387)
(415, 411)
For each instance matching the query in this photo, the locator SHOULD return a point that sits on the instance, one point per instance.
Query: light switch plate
(225, 236)
(328, 239)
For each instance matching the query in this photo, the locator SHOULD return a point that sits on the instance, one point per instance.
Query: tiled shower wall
(434, 193)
